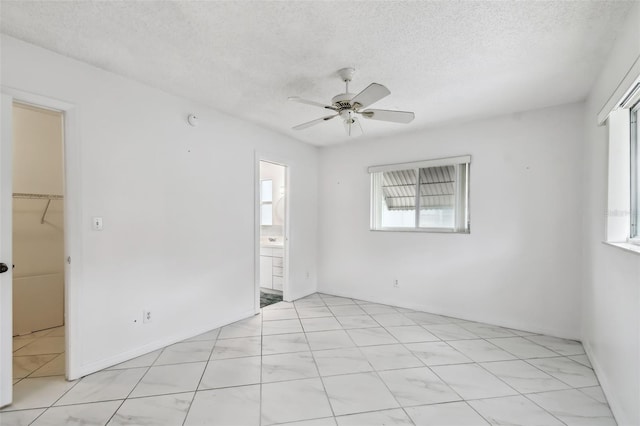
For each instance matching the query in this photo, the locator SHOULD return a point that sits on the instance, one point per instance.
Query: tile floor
(39, 354)
(324, 360)
(269, 297)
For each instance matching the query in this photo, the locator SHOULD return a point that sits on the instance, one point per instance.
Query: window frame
(621, 116)
(460, 193)
(634, 234)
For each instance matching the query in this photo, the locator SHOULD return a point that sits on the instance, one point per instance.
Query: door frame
(275, 159)
(72, 231)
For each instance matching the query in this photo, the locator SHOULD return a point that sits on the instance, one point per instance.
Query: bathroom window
(423, 196)
(266, 202)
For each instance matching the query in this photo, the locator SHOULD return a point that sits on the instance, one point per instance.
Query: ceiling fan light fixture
(352, 127)
(350, 121)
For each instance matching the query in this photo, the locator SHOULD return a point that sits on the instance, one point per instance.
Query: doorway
(38, 242)
(273, 239)
(33, 245)
(38, 221)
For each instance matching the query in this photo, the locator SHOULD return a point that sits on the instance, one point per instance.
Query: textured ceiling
(444, 60)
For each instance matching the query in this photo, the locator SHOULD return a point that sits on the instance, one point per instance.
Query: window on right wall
(635, 175)
(623, 213)
(422, 196)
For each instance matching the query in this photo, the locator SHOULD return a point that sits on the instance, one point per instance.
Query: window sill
(633, 248)
(421, 230)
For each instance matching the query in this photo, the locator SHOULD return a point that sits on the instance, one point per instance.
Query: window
(623, 212)
(266, 202)
(635, 175)
(427, 196)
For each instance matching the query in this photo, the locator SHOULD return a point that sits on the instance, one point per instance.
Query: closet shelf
(48, 197)
(37, 196)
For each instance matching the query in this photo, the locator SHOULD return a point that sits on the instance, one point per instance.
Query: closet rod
(47, 197)
(37, 196)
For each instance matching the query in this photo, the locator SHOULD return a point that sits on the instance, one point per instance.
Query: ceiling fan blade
(308, 102)
(313, 122)
(372, 93)
(386, 115)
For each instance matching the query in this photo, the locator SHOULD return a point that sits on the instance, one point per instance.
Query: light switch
(97, 224)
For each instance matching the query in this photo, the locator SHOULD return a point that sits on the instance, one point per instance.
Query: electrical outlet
(395, 283)
(97, 224)
(146, 316)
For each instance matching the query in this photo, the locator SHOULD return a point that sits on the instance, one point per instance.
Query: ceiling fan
(348, 106)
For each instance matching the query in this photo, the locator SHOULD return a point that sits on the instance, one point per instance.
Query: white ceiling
(444, 60)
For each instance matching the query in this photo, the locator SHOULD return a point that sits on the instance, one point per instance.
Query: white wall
(520, 265)
(177, 203)
(611, 293)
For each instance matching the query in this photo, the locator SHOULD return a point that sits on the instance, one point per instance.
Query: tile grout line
(377, 374)
(360, 350)
(42, 366)
(133, 388)
(544, 409)
(44, 409)
(551, 375)
(491, 373)
(315, 362)
(195, 392)
(473, 363)
(58, 399)
(560, 390)
(511, 387)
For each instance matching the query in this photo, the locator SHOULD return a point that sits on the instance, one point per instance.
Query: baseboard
(607, 388)
(158, 344)
(532, 328)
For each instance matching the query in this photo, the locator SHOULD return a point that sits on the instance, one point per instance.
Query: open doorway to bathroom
(273, 225)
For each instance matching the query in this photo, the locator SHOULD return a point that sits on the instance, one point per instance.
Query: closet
(38, 231)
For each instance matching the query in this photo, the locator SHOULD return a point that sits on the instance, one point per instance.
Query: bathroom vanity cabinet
(271, 267)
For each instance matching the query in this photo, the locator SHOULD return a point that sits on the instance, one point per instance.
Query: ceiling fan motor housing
(342, 101)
